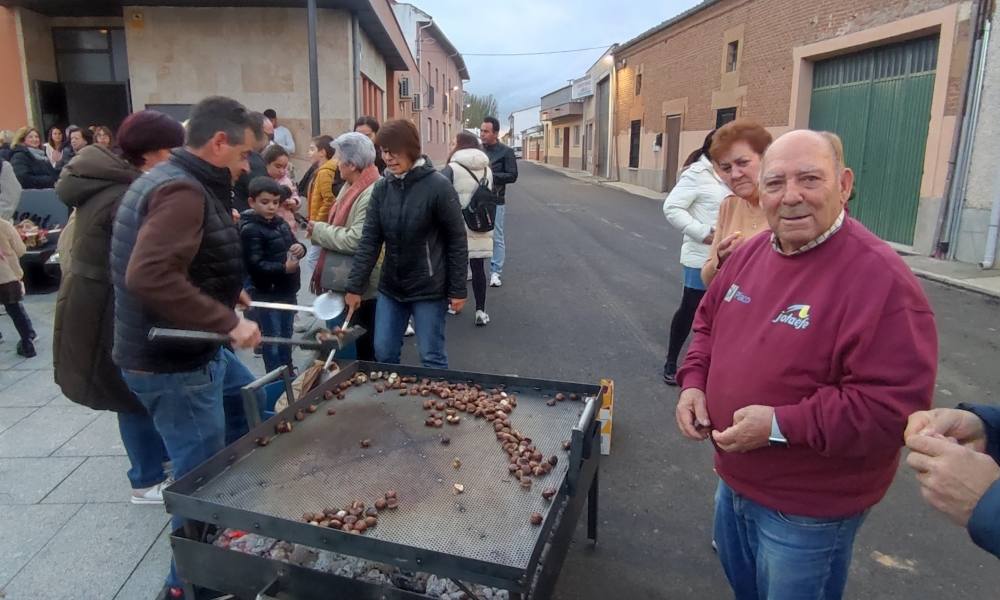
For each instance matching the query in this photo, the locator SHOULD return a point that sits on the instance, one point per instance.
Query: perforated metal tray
(321, 464)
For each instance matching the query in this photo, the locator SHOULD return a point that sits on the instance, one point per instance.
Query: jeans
(770, 555)
(391, 318)
(197, 413)
(277, 323)
(499, 248)
(22, 322)
(145, 449)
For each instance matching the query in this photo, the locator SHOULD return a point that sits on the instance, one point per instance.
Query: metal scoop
(327, 342)
(326, 306)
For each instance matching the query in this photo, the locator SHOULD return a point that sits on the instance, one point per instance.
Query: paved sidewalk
(69, 530)
(961, 275)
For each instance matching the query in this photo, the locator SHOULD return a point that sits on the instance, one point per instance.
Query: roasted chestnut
(328, 395)
(566, 444)
(548, 493)
(331, 411)
(560, 397)
(283, 426)
(366, 443)
(371, 521)
(371, 512)
(390, 494)
(380, 504)
(553, 460)
(526, 483)
(300, 415)
(535, 519)
(350, 520)
(263, 440)
(574, 397)
(311, 408)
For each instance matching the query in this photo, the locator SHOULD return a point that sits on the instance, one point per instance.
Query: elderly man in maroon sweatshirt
(812, 346)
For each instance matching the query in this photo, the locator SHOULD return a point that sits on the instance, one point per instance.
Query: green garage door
(879, 102)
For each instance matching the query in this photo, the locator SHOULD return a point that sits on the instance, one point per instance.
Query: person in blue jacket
(955, 452)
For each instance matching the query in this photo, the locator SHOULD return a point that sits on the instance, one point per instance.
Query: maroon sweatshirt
(841, 341)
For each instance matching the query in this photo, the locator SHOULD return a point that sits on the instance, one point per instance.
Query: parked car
(517, 152)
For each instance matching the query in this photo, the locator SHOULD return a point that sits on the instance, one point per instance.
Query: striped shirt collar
(816, 242)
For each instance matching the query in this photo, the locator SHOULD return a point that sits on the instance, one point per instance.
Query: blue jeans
(428, 321)
(197, 413)
(145, 449)
(499, 248)
(770, 555)
(277, 323)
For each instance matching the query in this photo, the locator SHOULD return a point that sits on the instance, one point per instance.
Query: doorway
(673, 146)
(601, 166)
(565, 143)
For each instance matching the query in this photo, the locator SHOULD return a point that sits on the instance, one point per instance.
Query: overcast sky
(535, 26)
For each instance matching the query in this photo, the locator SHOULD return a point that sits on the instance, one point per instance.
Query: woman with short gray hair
(342, 231)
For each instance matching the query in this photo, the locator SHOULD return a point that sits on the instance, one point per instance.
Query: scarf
(38, 153)
(338, 217)
(340, 211)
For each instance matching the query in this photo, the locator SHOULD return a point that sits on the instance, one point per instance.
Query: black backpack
(481, 211)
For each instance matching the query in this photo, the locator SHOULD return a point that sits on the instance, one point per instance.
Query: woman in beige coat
(12, 290)
(341, 232)
(467, 166)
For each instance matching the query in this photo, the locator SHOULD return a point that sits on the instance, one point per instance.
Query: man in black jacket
(504, 167)
(177, 262)
(414, 212)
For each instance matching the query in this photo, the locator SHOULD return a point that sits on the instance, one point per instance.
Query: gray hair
(354, 149)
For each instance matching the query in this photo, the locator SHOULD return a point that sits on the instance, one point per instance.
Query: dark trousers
(680, 326)
(276, 323)
(478, 266)
(365, 317)
(21, 320)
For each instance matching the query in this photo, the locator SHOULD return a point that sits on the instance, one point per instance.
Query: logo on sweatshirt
(734, 293)
(796, 316)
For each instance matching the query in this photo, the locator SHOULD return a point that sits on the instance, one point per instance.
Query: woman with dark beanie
(94, 183)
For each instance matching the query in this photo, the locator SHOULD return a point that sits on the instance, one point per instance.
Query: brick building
(437, 84)
(886, 75)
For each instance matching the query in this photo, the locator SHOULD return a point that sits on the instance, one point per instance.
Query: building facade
(887, 76)
(594, 88)
(97, 61)
(518, 121)
(562, 118)
(437, 84)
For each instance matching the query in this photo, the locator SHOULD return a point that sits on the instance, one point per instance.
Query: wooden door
(565, 147)
(673, 147)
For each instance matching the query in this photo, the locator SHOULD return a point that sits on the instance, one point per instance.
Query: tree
(477, 108)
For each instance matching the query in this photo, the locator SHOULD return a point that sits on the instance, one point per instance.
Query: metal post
(313, 68)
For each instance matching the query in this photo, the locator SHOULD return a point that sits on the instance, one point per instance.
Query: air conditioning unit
(415, 102)
(404, 87)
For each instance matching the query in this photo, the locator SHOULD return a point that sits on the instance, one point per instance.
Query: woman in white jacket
(692, 207)
(467, 166)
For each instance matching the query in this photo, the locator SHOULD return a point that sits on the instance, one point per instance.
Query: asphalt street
(591, 281)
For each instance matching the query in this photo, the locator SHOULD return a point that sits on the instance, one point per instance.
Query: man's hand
(246, 334)
(750, 430)
(309, 229)
(297, 250)
(457, 304)
(236, 215)
(952, 477)
(291, 264)
(728, 245)
(962, 425)
(352, 301)
(692, 415)
(244, 302)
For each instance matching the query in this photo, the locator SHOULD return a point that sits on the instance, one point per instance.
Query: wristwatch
(776, 438)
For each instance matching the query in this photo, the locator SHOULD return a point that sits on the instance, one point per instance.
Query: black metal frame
(202, 564)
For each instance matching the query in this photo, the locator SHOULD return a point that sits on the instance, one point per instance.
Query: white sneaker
(482, 318)
(150, 495)
(451, 311)
(495, 280)
(409, 330)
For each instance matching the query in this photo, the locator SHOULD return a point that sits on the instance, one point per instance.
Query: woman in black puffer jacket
(414, 211)
(30, 163)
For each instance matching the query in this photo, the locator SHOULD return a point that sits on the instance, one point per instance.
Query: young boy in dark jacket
(272, 255)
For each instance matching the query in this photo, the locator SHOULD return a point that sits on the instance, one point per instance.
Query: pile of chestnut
(356, 518)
